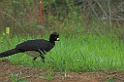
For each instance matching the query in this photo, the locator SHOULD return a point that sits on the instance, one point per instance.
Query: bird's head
(54, 37)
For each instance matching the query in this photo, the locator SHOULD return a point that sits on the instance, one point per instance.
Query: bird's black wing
(35, 45)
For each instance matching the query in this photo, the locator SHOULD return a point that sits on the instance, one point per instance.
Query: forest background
(68, 16)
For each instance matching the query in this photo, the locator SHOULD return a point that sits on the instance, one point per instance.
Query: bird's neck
(52, 42)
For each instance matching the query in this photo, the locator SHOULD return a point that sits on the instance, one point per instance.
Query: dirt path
(36, 75)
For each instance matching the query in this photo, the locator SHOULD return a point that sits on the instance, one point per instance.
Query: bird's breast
(32, 53)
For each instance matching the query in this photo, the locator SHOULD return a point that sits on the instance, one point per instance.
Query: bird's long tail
(9, 52)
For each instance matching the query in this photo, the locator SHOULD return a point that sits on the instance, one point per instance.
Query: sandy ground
(36, 75)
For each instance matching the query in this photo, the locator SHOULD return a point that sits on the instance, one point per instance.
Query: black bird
(35, 48)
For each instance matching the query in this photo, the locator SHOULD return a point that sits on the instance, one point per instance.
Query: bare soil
(36, 75)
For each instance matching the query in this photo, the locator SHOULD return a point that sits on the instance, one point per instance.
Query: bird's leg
(42, 53)
(34, 60)
(43, 58)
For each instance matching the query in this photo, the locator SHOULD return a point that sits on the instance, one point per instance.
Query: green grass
(18, 77)
(82, 53)
(48, 75)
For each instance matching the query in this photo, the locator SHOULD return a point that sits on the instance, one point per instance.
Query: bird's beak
(57, 39)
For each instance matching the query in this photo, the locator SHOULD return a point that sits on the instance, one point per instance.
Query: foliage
(61, 15)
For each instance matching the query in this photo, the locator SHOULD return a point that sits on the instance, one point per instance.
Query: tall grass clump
(76, 53)
(87, 53)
